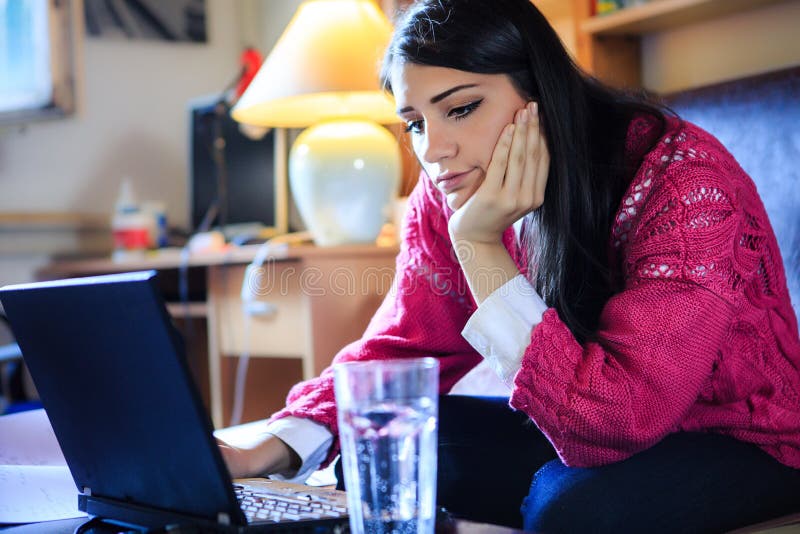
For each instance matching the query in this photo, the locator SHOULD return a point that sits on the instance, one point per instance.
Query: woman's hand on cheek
(514, 184)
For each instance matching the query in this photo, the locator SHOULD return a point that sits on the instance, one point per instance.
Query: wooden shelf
(664, 14)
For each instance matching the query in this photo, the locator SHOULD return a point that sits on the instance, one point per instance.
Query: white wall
(131, 122)
(263, 21)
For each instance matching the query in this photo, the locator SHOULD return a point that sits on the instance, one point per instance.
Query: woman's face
(455, 119)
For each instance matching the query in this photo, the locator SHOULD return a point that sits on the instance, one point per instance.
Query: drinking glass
(387, 411)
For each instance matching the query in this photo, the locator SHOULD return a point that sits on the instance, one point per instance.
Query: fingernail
(534, 108)
(525, 116)
(509, 129)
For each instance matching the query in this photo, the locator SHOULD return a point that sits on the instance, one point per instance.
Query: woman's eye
(414, 126)
(463, 111)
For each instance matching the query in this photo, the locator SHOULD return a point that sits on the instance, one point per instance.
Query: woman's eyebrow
(441, 96)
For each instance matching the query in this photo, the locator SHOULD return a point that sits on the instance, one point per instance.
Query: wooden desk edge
(171, 258)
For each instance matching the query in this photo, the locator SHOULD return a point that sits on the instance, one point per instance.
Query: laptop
(111, 372)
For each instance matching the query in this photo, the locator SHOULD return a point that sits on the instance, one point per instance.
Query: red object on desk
(131, 238)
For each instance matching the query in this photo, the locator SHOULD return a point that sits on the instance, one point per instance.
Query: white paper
(35, 482)
(26, 438)
(37, 493)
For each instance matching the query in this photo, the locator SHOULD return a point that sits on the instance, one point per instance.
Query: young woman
(612, 263)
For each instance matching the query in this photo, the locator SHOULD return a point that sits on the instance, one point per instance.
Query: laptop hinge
(223, 518)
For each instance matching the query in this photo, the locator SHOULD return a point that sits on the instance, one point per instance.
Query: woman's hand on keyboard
(267, 457)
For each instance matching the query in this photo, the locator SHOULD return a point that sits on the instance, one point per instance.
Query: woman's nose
(438, 145)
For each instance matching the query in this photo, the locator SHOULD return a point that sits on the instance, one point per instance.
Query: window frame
(62, 34)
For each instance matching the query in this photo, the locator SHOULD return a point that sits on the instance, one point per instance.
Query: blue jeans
(488, 455)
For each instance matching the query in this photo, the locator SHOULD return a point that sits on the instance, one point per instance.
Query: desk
(320, 300)
(68, 526)
(33, 434)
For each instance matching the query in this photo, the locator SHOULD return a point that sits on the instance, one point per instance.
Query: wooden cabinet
(609, 46)
(308, 306)
(315, 301)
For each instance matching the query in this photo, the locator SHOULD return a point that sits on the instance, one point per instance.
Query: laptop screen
(111, 372)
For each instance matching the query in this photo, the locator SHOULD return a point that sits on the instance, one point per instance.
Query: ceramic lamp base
(344, 176)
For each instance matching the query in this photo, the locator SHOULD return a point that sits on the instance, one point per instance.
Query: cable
(254, 280)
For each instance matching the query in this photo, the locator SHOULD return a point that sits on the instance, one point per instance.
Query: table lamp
(344, 169)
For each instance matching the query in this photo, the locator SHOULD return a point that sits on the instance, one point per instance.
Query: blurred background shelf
(659, 15)
(670, 45)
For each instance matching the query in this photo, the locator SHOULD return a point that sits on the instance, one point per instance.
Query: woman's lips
(451, 181)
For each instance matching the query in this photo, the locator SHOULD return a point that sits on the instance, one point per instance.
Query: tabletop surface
(68, 526)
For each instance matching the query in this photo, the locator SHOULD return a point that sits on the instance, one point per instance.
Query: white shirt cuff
(500, 329)
(311, 441)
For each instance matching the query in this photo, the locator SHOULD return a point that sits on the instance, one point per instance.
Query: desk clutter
(137, 226)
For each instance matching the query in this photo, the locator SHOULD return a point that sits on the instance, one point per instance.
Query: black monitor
(256, 173)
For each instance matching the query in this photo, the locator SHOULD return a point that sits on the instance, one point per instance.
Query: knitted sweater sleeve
(658, 339)
(422, 315)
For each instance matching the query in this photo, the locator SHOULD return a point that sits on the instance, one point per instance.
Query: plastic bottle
(129, 225)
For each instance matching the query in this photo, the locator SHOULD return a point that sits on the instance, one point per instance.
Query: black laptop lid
(112, 376)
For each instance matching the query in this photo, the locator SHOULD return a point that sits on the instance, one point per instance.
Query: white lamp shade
(325, 65)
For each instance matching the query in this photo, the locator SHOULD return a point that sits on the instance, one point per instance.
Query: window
(36, 60)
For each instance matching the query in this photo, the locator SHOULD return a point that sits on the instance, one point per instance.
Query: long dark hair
(585, 124)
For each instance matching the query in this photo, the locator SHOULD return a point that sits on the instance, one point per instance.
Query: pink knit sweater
(702, 338)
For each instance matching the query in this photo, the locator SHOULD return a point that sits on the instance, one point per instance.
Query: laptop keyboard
(259, 505)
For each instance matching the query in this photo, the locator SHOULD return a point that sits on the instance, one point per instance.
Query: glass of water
(387, 413)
